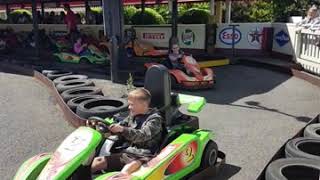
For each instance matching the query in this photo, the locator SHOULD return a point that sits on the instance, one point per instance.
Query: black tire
(303, 147)
(293, 168)
(69, 78)
(81, 91)
(312, 130)
(210, 155)
(74, 102)
(102, 107)
(54, 75)
(46, 72)
(73, 84)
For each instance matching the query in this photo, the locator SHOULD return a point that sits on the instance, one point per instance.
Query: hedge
(149, 16)
(195, 16)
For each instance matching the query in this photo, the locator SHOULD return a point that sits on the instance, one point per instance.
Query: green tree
(257, 11)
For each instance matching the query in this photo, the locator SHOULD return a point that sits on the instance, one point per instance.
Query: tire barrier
(303, 147)
(313, 130)
(63, 79)
(80, 92)
(56, 74)
(101, 107)
(74, 102)
(298, 158)
(66, 85)
(293, 168)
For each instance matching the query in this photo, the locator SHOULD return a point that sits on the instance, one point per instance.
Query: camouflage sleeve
(124, 122)
(146, 133)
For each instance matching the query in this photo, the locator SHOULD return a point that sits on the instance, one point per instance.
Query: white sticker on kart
(73, 145)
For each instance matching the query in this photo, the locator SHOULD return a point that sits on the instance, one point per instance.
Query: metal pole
(174, 17)
(233, 38)
(7, 11)
(42, 9)
(35, 27)
(87, 8)
(228, 12)
(212, 8)
(113, 26)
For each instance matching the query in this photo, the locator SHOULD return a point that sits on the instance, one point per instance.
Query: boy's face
(137, 106)
(175, 49)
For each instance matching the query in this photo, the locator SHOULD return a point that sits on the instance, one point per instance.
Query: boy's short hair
(140, 94)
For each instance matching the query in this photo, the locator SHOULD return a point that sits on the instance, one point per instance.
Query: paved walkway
(30, 122)
(253, 111)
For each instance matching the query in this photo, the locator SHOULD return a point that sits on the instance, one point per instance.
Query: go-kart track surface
(253, 111)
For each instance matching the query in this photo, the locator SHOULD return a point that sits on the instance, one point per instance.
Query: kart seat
(157, 81)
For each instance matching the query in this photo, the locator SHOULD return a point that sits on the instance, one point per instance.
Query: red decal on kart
(163, 154)
(183, 159)
(71, 147)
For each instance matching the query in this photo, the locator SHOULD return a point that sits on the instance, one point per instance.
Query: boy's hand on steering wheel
(92, 123)
(116, 128)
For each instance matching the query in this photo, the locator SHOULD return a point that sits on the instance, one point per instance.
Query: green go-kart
(94, 57)
(186, 151)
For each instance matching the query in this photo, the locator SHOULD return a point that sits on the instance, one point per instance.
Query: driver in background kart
(81, 48)
(142, 129)
(174, 60)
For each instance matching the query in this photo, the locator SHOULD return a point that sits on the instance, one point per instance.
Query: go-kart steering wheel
(102, 125)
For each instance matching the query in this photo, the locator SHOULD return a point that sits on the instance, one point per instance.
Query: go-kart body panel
(178, 159)
(73, 58)
(195, 103)
(31, 168)
(72, 152)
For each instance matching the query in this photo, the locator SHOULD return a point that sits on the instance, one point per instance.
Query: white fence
(307, 50)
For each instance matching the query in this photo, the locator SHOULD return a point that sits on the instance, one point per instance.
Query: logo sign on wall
(255, 37)
(155, 36)
(226, 36)
(282, 38)
(187, 37)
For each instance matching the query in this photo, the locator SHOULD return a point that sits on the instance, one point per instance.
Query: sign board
(189, 35)
(283, 39)
(247, 35)
(226, 36)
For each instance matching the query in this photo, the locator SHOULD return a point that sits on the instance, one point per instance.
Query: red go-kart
(193, 77)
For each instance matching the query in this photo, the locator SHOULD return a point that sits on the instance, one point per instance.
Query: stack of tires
(83, 97)
(302, 157)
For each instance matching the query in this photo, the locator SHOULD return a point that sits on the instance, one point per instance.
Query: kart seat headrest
(157, 81)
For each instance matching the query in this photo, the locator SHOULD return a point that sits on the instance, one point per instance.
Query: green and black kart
(186, 151)
(95, 57)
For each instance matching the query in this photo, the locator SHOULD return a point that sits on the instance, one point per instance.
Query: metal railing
(307, 50)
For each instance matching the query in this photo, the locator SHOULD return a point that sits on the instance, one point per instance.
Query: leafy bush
(128, 12)
(163, 10)
(14, 15)
(97, 10)
(195, 16)
(149, 16)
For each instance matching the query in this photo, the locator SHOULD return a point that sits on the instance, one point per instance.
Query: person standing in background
(71, 21)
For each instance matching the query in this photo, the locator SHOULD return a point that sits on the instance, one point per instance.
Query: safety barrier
(307, 50)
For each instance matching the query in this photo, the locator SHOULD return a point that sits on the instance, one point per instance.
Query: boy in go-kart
(142, 129)
(178, 60)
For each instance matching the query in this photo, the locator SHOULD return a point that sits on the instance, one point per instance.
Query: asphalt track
(253, 111)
